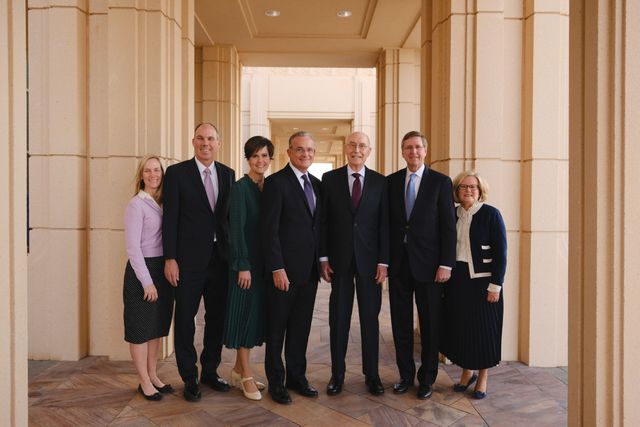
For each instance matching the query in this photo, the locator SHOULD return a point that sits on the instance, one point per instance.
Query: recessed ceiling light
(344, 13)
(296, 128)
(325, 129)
(272, 13)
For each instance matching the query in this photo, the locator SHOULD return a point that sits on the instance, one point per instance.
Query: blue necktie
(308, 192)
(410, 197)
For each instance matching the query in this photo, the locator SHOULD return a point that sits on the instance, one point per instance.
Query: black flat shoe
(165, 388)
(425, 391)
(215, 382)
(459, 388)
(154, 397)
(374, 385)
(335, 385)
(477, 394)
(402, 386)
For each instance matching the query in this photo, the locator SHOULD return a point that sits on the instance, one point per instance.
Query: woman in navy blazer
(473, 304)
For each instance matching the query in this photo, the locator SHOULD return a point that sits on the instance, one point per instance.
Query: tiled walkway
(96, 391)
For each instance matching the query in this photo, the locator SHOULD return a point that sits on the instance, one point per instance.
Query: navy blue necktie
(308, 192)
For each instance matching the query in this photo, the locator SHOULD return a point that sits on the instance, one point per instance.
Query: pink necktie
(208, 187)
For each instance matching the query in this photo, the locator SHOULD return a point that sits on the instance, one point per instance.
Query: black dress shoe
(402, 386)
(461, 387)
(165, 388)
(155, 396)
(216, 383)
(425, 391)
(191, 391)
(280, 395)
(374, 385)
(335, 385)
(303, 389)
(477, 394)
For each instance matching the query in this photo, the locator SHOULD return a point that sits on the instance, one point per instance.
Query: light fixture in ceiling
(344, 13)
(325, 129)
(272, 13)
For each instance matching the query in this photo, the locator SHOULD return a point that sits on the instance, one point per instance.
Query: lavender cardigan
(143, 234)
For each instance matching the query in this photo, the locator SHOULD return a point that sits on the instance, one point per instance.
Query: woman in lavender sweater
(148, 297)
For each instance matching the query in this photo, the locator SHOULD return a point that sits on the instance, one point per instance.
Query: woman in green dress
(245, 321)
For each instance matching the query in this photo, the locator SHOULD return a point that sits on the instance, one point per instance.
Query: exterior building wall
(13, 225)
(498, 104)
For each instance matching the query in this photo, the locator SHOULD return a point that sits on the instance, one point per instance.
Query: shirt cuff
(446, 267)
(383, 265)
(275, 271)
(324, 258)
(494, 288)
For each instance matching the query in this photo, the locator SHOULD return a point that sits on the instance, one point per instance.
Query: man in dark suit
(423, 252)
(195, 234)
(355, 247)
(291, 206)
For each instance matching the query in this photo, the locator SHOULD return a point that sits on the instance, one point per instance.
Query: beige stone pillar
(544, 188)
(221, 100)
(398, 106)
(426, 73)
(136, 66)
(13, 215)
(604, 213)
(188, 78)
(476, 114)
(58, 180)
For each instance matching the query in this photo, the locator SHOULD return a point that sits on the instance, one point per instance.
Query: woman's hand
(150, 293)
(244, 279)
(493, 296)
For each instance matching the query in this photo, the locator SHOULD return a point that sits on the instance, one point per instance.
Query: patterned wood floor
(99, 392)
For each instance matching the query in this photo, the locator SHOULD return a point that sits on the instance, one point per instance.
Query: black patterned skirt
(144, 320)
(472, 326)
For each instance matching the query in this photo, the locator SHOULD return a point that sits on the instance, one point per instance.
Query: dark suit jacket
(291, 232)
(488, 243)
(188, 223)
(364, 232)
(431, 229)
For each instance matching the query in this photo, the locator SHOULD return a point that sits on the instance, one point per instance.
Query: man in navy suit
(355, 248)
(290, 210)
(195, 234)
(423, 253)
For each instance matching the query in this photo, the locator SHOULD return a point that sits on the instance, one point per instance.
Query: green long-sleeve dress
(244, 324)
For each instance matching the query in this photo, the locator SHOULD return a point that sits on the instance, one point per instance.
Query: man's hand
(493, 296)
(244, 279)
(150, 293)
(381, 274)
(326, 271)
(172, 271)
(442, 275)
(280, 280)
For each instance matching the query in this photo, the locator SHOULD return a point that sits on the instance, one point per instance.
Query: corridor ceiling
(308, 33)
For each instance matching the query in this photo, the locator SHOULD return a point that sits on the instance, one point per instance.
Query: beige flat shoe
(253, 395)
(236, 377)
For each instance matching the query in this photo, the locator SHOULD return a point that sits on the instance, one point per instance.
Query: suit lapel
(223, 183)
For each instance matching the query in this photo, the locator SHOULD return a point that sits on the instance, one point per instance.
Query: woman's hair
(139, 182)
(483, 187)
(255, 143)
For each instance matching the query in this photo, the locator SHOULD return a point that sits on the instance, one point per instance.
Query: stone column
(136, 65)
(604, 213)
(188, 79)
(13, 215)
(58, 180)
(221, 100)
(476, 122)
(398, 104)
(544, 185)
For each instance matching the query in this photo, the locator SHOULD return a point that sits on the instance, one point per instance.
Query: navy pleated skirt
(472, 326)
(144, 320)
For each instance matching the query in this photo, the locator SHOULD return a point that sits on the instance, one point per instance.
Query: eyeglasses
(471, 187)
(300, 150)
(354, 146)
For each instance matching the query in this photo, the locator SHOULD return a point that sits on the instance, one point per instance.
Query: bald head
(357, 149)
